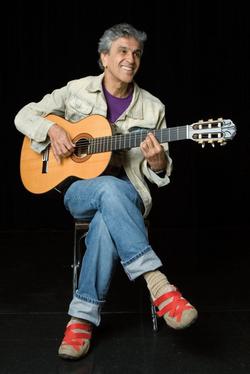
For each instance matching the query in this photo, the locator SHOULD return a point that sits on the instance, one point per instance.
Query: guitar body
(40, 176)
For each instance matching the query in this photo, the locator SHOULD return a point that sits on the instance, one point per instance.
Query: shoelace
(77, 339)
(175, 308)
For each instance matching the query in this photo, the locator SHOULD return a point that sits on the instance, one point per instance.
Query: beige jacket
(82, 97)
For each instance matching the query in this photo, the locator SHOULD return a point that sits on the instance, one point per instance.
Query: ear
(103, 57)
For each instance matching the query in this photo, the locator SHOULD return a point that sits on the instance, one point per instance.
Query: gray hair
(119, 31)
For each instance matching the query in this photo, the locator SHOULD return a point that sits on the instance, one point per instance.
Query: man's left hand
(154, 153)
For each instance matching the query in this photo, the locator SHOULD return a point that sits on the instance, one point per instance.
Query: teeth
(126, 68)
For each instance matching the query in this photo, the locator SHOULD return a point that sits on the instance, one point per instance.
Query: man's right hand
(61, 144)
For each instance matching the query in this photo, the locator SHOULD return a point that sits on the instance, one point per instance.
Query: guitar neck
(134, 139)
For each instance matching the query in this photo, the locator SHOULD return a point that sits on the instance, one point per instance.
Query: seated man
(117, 201)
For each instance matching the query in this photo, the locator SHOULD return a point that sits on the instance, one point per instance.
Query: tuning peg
(221, 141)
(213, 145)
(203, 144)
(210, 123)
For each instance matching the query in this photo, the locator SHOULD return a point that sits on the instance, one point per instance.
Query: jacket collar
(136, 107)
(95, 84)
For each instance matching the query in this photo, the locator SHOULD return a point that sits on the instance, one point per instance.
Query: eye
(122, 51)
(138, 53)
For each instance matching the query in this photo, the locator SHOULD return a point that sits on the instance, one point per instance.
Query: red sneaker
(177, 311)
(76, 341)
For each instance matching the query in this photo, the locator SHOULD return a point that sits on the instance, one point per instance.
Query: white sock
(157, 283)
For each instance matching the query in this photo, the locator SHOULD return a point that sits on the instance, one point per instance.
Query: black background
(195, 61)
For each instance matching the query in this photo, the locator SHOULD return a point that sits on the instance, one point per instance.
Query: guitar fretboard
(133, 139)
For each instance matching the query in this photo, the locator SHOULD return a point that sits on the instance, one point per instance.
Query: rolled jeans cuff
(148, 261)
(85, 310)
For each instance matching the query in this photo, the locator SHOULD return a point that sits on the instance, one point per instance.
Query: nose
(131, 56)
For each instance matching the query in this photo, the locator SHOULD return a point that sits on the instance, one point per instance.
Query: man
(117, 201)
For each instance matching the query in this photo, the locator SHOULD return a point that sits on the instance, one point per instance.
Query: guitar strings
(131, 138)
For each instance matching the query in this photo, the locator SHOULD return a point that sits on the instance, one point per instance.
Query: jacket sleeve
(153, 177)
(31, 122)
(146, 170)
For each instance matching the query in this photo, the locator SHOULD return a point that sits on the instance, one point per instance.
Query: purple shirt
(116, 105)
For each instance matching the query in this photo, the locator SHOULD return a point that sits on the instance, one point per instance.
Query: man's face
(123, 59)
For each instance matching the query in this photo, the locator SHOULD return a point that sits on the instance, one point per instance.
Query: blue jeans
(116, 233)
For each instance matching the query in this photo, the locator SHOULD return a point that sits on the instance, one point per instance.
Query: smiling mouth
(127, 69)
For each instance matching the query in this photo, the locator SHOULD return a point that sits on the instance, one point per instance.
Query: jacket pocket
(76, 109)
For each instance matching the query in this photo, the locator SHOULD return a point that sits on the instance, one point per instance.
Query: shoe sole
(183, 327)
(72, 358)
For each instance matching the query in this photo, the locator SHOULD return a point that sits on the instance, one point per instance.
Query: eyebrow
(132, 50)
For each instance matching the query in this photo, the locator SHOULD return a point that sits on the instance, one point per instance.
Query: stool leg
(75, 261)
(153, 308)
(80, 232)
(154, 316)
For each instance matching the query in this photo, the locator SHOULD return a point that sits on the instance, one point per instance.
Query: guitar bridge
(45, 160)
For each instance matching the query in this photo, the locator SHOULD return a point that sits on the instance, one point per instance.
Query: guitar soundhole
(82, 142)
(82, 148)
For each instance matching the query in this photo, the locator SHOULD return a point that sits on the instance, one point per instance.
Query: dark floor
(36, 287)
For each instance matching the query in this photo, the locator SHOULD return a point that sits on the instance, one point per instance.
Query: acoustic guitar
(94, 144)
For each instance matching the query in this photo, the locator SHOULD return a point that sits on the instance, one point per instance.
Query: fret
(96, 141)
(103, 144)
(107, 143)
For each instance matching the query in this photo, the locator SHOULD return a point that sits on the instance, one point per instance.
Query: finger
(146, 145)
(58, 159)
(69, 144)
(144, 148)
(66, 150)
(148, 142)
(153, 140)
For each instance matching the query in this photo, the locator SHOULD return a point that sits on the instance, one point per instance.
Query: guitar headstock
(212, 131)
